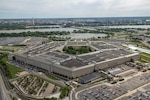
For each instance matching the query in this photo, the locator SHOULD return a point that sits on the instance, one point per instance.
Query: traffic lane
(4, 92)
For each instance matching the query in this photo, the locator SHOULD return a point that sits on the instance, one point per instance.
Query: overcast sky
(73, 8)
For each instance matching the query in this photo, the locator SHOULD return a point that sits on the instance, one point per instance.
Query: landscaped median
(65, 92)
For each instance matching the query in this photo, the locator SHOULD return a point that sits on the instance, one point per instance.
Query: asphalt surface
(4, 93)
(1, 93)
(137, 48)
(75, 91)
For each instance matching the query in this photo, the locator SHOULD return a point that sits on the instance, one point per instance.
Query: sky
(73, 8)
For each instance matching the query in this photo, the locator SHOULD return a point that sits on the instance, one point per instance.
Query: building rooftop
(47, 53)
(74, 63)
(58, 55)
(104, 55)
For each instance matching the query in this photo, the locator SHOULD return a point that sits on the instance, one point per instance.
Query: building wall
(20, 58)
(116, 61)
(135, 56)
(34, 62)
(81, 72)
(62, 71)
(101, 65)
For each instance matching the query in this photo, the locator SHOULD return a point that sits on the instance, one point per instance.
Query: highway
(1, 93)
(137, 48)
(4, 94)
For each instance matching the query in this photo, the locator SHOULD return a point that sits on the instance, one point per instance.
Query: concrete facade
(52, 65)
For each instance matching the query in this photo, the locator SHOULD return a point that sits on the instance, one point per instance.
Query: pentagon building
(50, 57)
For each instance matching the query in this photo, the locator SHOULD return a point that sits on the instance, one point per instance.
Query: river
(40, 30)
(127, 26)
(83, 35)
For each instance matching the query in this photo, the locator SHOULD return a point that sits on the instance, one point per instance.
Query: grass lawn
(9, 50)
(11, 70)
(77, 50)
(52, 77)
(65, 92)
(145, 57)
(135, 41)
(139, 44)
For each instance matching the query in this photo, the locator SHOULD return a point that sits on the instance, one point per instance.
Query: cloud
(73, 8)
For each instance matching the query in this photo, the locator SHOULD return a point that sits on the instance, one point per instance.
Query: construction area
(35, 86)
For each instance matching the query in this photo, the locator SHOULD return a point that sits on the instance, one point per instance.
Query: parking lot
(136, 81)
(121, 90)
(103, 92)
(139, 95)
(22, 40)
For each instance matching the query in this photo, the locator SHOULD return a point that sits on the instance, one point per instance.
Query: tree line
(36, 34)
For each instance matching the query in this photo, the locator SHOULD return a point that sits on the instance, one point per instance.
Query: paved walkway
(55, 95)
(57, 82)
(23, 42)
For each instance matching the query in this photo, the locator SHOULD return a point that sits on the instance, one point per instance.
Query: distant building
(142, 37)
(33, 21)
(132, 30)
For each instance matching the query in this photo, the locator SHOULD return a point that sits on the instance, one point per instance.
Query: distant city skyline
(73, 8)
